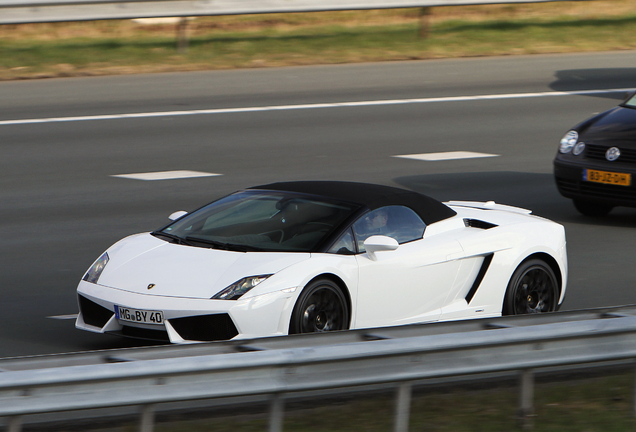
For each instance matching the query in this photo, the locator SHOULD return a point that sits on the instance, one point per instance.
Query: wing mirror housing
(176, 215)
(379, 243)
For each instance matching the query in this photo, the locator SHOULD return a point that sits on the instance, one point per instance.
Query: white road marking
(446, 156)
(166, 175)
(309, 106)
(63, 317)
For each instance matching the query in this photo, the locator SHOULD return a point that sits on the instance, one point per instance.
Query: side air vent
(93, 313)
(480, 276)
(205, 327)
(476, 223)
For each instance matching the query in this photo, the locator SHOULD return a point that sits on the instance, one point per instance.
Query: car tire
(591, 208)
(533, 288)
(320, 307)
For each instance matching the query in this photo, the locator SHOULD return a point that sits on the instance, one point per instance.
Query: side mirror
(176, 215)
(379, 243)
(628, 95)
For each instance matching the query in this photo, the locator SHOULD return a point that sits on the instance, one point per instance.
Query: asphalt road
(60, 205)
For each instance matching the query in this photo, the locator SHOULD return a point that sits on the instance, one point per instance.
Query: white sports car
(318, 256)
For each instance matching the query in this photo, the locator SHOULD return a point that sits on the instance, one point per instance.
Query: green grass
(115, 47)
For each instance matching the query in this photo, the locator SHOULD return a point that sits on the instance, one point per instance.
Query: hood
(614, 127)
(184, 271)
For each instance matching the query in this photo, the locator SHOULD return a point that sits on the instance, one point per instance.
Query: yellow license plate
(607, 177)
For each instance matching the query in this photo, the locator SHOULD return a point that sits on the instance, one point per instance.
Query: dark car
(596, 162)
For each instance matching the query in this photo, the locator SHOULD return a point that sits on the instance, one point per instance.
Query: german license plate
(607, 177)
(138, 315)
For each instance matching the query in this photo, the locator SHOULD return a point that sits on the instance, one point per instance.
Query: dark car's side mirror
(176, 215)
(629, 95)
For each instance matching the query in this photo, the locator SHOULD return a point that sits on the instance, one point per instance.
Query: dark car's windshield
(630, 102)
(260, 221)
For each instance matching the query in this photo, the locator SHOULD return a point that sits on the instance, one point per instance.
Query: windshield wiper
(175, 238)
(224, 246)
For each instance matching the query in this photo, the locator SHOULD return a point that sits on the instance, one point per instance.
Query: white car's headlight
(238, 288)
(568, 141)
(93, 273)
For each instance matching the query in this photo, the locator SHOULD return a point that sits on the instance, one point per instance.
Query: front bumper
(570, 183)
(185, 319)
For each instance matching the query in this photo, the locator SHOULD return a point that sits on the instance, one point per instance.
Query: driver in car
(375, 223)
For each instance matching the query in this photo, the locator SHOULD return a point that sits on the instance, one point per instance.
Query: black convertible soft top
(369, 195)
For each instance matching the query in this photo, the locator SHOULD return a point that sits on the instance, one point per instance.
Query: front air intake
(144, 333)
(94, 314)
(205, 327)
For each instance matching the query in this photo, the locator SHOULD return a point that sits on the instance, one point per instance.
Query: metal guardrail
(34, 11)
(285, 366)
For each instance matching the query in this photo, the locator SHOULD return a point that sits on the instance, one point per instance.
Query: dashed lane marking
(446, 156)
(166, 175)
(63, 317)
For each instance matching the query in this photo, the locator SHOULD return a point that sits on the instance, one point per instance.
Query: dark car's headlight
(93, 273)
(578, 148)
(568, 141)
(238, 288)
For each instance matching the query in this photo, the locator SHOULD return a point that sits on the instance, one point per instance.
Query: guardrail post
(276, 413)
(182, 35)
(526, 399)
(402, 408)
(14, 424)
(147, 418)
(425, 13)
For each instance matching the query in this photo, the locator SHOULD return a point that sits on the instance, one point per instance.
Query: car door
(408, 284)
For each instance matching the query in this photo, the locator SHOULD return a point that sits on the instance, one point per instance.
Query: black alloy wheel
(532, 289)
(592, 209)
(321, 307)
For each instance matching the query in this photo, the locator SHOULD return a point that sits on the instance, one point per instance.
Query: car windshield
(631, 102)
(260, 221)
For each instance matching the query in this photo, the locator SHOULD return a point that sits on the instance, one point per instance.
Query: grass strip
(595, 404)
(119, 47)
